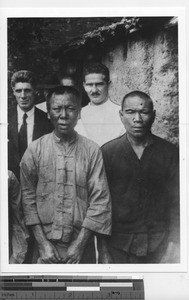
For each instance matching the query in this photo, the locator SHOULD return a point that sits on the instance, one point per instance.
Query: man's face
(25, 95)
(67, 82)
(64, 111)
(137, 116)
(96, 87)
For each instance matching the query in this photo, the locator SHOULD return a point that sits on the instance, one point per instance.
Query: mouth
(138, 128)
(95, 95)
(24, 102)
(62, 125)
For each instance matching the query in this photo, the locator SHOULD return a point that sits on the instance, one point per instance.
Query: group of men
(93, 171)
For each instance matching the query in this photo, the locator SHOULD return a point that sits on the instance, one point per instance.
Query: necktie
(22, 136)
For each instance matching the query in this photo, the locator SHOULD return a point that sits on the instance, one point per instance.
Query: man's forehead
(64, 99)
(137, 101)
(23, 85)
(94, 77)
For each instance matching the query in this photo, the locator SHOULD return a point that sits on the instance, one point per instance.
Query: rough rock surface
(150, 65)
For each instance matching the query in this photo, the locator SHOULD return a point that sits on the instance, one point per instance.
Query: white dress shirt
(42, 106)
(29, 121)
(100, 123)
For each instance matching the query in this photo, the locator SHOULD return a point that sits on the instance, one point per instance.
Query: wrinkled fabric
(145, 194)
(64, 187)
(18, 233)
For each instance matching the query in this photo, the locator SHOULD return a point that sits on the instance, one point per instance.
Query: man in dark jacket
(26, 122)
(143, 176)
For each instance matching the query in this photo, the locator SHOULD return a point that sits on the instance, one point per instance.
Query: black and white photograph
(94, 143)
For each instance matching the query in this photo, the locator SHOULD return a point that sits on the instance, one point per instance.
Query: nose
(22, 93)
(93, 88)
(137, 117)
(63, 113)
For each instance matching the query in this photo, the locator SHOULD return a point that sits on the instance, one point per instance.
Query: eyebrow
(24, 89)
(140, 109)
(60, 105)
(99, 82)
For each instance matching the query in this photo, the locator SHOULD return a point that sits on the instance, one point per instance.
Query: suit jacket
(42, 125)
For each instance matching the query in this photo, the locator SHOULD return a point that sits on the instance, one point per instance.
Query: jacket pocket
(81, 178)
(46, 173)
(45, 207)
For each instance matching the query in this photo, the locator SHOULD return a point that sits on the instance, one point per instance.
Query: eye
(71, 108)
(129, 111)
(145, 112)
(56, 109)
(28, 91)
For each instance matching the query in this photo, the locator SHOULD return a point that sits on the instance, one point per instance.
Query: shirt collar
(72, 139)
(99, 105)
(31, 112)
(149, 142)
(21, 112)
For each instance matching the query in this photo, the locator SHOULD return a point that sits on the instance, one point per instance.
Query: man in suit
(26, 122)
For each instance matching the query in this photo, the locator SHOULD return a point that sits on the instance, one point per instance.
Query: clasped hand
(50, 255)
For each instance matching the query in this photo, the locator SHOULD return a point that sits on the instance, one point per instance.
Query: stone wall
(149, 62)
(146, 60)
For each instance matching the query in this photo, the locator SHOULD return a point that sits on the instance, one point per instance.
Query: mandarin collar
(72, 139)
(150, 140)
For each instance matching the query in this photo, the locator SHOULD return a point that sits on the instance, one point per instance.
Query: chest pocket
(46, 173)
(46, 180)
(45, 208)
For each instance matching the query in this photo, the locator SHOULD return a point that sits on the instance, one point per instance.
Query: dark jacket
(144, 192)
(42, 125)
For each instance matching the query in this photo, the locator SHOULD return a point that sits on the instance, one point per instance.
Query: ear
(35, 92)
(79, 115)
(153, 116)
(121, 114)
(84, 84)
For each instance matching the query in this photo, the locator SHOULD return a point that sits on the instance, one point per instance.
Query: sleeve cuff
(102, 228)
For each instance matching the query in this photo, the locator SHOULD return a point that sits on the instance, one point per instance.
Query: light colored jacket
(64, 187)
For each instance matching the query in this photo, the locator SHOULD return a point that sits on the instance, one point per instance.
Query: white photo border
(5, 267)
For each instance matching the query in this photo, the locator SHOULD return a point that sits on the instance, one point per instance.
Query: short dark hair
(97, 68)
(61, 90)
(23, 76)
(140, 94)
